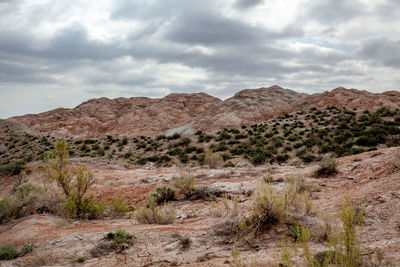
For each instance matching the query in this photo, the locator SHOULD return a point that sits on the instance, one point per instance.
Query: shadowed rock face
(146, 116)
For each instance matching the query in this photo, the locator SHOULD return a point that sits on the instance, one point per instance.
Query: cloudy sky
(60, 53)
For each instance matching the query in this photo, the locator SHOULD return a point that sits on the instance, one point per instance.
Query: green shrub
(13, 168)
(8, 253)
(120, 236)
(128, 154)
(282, 157)
(124, 141)
(118, 241)
(85, 208)
(183, 157)
(344, 244)
(164, 159)
(258, 158)
(308, 158)
(357, 150)
(117, 207)
(229, 164)
(367, 140)
(142, 161)
(164, 194)
(185, 242)
(27, 248)
(207, 193)
(90, 141)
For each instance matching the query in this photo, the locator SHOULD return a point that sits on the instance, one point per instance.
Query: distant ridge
(190, 112)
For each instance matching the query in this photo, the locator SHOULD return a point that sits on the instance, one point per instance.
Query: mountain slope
(248, 107)
(121, 116)
(352, 98)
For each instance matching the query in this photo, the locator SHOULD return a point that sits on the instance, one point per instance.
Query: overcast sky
(60, 53)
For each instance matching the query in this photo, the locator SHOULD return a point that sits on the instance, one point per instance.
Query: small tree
(74, 183)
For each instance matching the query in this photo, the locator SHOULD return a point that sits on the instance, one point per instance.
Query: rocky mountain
(121, 116)
(352, 98)
(185, 113)
(248, 107)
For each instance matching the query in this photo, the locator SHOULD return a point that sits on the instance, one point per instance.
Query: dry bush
(27, 199)
(184, 183)
(322, 230)
(233, 223)
(269, 207)
(213, 160)
(243, 262)
(268, 178)
(327, 166)
(151, 213)
(207, 193)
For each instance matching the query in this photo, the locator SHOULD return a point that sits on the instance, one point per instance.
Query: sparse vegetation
(113, 241)
(151, 213)
(304, 136)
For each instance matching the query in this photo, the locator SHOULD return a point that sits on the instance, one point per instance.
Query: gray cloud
(213, 29)
(244, 4)
(336, 11)
(72, 43)
(382, 51)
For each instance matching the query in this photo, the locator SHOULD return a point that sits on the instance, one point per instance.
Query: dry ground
(371, 180)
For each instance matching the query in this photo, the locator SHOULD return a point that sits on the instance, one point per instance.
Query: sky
(61, 53)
